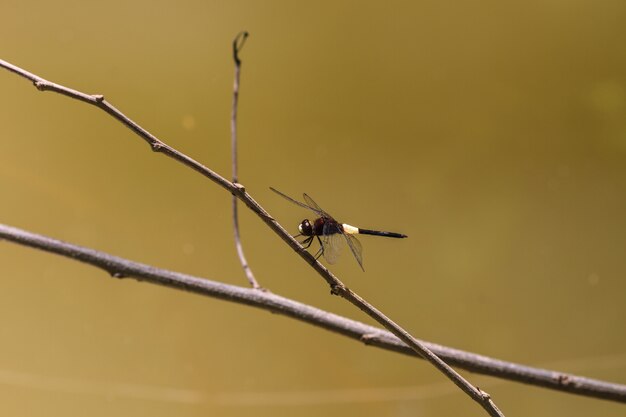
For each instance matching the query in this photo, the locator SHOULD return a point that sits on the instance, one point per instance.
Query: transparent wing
(286, 197)
(313, 206)
(332, 247)
(356, 248)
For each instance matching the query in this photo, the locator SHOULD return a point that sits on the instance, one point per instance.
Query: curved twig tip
(238, 43)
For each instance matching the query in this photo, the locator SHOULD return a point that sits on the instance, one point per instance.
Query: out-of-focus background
(493, 134)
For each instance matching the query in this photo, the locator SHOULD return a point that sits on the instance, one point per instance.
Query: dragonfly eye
(305, 228)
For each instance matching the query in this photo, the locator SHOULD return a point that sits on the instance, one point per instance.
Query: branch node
(368, 338)
(563, 379)
(485, 396)
(99, 98)
(240, 188)
(39, 85)
(156, 146)
(336, 289)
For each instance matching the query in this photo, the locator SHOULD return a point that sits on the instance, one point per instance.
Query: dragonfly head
(305, 228)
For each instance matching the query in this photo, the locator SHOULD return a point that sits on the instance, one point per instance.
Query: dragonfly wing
(314, 208)
(356, 248)
(332, 247)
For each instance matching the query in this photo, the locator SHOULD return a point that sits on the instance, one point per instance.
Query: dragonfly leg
(306, 243)
(320, 252)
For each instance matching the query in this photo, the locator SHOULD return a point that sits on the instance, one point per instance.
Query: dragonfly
(330, 233)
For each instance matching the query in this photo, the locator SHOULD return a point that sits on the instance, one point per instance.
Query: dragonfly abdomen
(381, 233)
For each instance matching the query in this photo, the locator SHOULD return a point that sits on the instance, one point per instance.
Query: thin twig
(369, 335)
(337, 287)
(238, 43)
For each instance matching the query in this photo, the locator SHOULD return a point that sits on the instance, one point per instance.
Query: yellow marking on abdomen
(351, 230)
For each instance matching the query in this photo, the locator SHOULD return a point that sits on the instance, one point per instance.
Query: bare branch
(337, 287)
(238, 43)
(369, 335)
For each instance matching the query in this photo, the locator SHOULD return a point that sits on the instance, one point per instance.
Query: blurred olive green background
(493, 134)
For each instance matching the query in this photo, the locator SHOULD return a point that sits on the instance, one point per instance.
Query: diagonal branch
(120, 268)
(238, 43)
(238, 190)
(337, 287)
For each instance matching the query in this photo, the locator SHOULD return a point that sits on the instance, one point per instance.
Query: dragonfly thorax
(320, 227)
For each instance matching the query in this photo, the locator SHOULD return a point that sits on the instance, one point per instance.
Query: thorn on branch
(238, 43)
